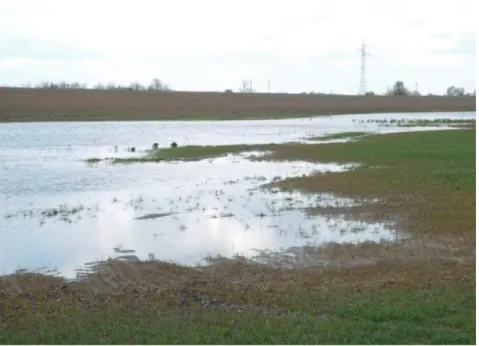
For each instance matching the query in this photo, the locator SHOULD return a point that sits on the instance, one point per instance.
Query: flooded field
(59, 214)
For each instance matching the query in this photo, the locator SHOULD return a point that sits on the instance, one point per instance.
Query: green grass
(437, 315)
(342, 135)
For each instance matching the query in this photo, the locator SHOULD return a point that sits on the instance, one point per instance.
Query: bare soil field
(29, 105)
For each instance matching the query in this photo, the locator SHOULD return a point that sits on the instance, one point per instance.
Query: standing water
(59, 213)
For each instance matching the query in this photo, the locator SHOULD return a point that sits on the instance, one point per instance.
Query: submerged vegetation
(63, 212)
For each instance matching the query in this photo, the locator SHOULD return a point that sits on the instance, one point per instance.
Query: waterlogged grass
(342, 135)
(194, 152)
(427, 179)
(411, 172)
(430, 158)
(186, 153)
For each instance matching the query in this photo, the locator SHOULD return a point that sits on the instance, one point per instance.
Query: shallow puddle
(178, 212)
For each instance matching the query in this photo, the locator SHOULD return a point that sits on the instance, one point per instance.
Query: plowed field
(20, 105)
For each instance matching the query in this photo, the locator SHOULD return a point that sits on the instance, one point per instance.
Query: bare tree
(246, 87)
(135, 86)
(156, 85)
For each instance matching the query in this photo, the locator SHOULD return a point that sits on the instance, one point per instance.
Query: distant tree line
(155, 85)
(400, 89)
(55, 85)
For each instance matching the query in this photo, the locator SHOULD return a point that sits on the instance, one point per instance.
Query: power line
(362, 82)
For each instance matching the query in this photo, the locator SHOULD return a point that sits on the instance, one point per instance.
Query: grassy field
(391, 314)
(418, 290)
(27, 105)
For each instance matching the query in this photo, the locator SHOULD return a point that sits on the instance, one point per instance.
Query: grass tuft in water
(342, 135)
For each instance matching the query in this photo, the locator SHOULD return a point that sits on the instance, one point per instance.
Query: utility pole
(250, 86)
(269, 87)
(362, 82)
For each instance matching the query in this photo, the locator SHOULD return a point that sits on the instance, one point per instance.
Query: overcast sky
(205, 45)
